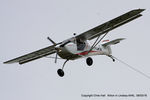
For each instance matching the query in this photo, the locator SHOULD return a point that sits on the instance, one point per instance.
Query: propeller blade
(51, 40)
(56, 57)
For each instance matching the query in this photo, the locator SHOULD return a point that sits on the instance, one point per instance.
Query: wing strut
(96, 43)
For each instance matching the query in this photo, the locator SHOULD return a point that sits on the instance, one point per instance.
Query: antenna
(74, 34)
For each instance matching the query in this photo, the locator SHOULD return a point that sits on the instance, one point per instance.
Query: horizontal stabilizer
(113, 42)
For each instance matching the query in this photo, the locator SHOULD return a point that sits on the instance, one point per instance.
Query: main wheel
(89, 61)
(60, 72)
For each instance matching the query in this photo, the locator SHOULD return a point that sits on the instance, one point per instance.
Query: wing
(33, 56)
(110, 25)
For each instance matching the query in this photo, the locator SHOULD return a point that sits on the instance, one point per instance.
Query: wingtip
(8, 62)
(142, 10)
(138, 10)
(5, 62)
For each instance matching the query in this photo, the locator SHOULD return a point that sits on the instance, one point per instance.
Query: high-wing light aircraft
(77, 46)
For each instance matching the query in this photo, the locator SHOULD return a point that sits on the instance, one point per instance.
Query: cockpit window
(80, 44)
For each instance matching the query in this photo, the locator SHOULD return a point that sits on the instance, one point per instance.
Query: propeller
(56, 55)
(55, 44)
(56, 58)
(62, 44)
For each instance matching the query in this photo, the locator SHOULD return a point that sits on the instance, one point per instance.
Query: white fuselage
(70, 51)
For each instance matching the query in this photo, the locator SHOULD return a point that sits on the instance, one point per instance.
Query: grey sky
(24, 26)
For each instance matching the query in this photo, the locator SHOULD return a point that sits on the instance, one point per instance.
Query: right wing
(33, 56)
(110, 25)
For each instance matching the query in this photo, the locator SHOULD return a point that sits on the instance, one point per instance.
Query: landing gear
(111, 58)
(89, 61)
(60, 72)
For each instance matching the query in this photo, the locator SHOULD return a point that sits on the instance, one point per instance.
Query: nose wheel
(89, 61)
(60, 72)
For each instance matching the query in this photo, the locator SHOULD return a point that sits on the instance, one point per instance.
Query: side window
(80, 44)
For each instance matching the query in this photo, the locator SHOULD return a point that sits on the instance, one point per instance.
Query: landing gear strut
(111, 58)
(60, 72)
(89, 61)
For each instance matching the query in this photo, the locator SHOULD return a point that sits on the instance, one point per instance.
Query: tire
(60, 72)
(89, 61)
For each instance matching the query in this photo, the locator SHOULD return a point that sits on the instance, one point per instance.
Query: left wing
(33, 56)
(110, 25)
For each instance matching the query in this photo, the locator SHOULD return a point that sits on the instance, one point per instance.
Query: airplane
(78, 47)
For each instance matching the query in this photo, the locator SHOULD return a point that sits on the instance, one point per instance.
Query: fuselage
(74, 51)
